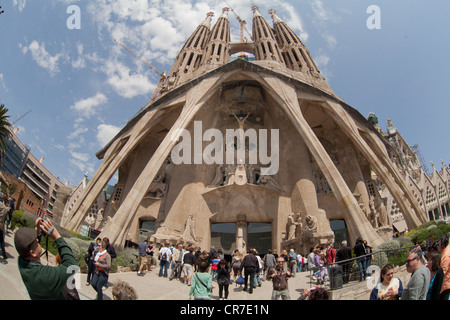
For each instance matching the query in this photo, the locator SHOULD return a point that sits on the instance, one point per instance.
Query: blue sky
(82, 87)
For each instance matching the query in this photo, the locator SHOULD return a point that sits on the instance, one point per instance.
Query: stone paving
(148, 287)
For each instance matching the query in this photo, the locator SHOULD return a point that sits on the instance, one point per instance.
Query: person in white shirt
(164, 260)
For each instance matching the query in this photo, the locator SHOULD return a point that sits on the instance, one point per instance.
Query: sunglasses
(410, 260)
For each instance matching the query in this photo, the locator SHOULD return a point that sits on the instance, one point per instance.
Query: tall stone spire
(190, 56)
(295, 54)
(266, 47)
(217, 52)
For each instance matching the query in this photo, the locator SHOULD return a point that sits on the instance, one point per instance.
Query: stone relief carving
(189, 230)
(160, 184)
(269, 182)
(99, 219)
(311, 223)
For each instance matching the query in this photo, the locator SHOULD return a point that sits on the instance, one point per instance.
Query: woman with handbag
(201, 287)
(102, 263)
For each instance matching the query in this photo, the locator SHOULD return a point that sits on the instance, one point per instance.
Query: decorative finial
(207, 21)
(275, 18)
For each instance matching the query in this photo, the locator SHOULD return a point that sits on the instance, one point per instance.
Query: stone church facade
(250, 135)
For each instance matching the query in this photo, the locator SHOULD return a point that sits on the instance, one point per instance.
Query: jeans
(99, 279)
(362, 268)
(223, 288)
(284, 294)
(256, 280)
(163, 265)
(299, 266)
(249, 272)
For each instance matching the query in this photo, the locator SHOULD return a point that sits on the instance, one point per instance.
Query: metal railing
(349, 271)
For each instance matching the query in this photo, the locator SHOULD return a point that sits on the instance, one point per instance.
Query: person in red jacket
(330, 257)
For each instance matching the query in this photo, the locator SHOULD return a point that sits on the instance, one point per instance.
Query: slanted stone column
(115, 156)
(384, 169)
(357, 223)
(117, 230)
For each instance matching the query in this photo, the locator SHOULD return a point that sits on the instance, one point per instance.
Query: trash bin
(336, 278)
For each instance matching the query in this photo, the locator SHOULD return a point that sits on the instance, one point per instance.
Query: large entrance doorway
(259, 236)
(147, 228)
(223, 236)
(339, 228)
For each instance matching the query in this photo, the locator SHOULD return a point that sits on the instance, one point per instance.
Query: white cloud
(124, 82)
(106, 133)
(2, 82)
(324, 17)
(80, 156)
(42, 57)
(87, 107)
(20, 4)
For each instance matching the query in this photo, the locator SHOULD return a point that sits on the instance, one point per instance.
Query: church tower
(217, 53)
(295, 54)
(190, 56)
(266, 47)
(301, 159)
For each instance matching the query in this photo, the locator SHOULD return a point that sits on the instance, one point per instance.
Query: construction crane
(242, 23)
(163, 76)
(12, 124)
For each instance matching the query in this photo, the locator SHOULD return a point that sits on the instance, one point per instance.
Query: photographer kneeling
(43, 282)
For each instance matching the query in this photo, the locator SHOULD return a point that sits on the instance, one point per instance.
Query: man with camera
(43, 282)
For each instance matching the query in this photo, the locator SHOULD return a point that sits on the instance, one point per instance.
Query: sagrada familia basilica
(246, 145)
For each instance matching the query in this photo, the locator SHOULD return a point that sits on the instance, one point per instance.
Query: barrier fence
(355, 270)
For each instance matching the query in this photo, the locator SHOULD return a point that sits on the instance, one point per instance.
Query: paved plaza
(148, 287)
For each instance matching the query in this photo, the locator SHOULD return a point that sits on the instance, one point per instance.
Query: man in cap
(3, 218)
(43, 282)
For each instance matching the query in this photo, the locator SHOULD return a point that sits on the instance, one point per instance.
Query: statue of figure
(219, 174)
(372, 213)
(99, 220)
(158, 188)
(269, 182)
(311, 223)
(89, 219)
(382, 216)
(240, 176)
(189, 232)
(293, 226)
(250, 173)
(230, 170)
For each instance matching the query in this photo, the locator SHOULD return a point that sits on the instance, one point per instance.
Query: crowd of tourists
(202, 270)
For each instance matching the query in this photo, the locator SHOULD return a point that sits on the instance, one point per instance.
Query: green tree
(5, 131)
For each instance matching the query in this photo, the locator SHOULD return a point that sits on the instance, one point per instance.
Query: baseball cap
(24, 239)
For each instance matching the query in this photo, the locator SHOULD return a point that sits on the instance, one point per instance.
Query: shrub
(431, 228)
(396, 256)
(20, 219)
(127, 258)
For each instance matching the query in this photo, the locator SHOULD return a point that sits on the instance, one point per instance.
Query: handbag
(211, 290)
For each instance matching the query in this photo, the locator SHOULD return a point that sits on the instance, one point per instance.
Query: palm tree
(5, 131)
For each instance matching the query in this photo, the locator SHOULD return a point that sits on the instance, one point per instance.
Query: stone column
(384, 169)
(195, 98)
(116, 154)
(241, 233)
(358, 225)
